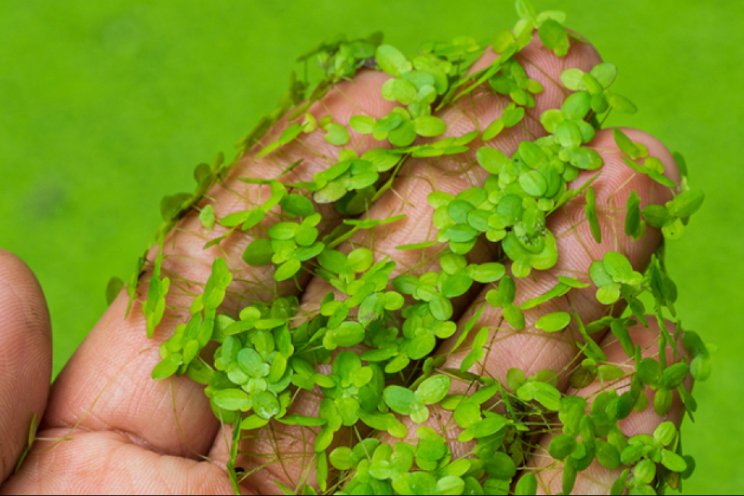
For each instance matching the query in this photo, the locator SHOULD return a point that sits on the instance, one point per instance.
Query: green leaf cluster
(367, 350)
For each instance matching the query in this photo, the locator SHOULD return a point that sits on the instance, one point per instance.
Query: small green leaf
(458, 210)
(533, 183)
(686, 203)
(631, 454)
(656, 215)
(503, 41)
(526, 485)
(487, 272)
(401, 400)
(542, 392)
(417, 246)
(674, 375)
(568, 134)
(555, 37)
(514, 316)
(336, 134)
(433, 389)
(342, 458)
(562, 446)
(663, 400)
(573, 282)
(265, 404)
(665, 433)
(609, 372)
(297, 205)
(429, 126)
(493, 129)
(604, 73)
(591, 215)
(258, 253)
(449, 484)
(499, 465)
(456, 285)
(569, 476)
(362, 124)
(512, 115)
(287, 270)
(572, 79)
(618, 267)
(360, 259)
(553, 322)
(467, 413)
(288, 135)
(440, 308)
(700, 367)
(166, 368)
(399, 90)
(477, 349)
(392, 60)
(626, 145)
(384, 422)
(171, 206)
(577, 105)
(252, 217)
(253, 422)
(607, 295)
(621, 104)
(485, 427)
(550, 119)
(633, 225)
(556, 291)
(113, 288)
(231, 399)
(295, 419)
(644, 471)
(348, 333)
(403, 135)
(491, 159)
(584, 158)
(607, 455)
(154, 306)
(331, 192)
(673, 461)
(207, 218)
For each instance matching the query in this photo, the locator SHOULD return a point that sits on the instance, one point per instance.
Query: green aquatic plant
(391, 414)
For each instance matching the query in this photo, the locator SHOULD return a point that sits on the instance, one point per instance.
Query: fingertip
(22, 301)
(581, 55)
(26, 360)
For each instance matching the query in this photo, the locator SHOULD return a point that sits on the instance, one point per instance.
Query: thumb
(25, 357)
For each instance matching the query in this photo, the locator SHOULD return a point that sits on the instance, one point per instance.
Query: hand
(109, 428)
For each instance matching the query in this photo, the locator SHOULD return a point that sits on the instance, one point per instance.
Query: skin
(109, 428)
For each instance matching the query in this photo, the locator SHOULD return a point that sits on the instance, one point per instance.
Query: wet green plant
(368, 351)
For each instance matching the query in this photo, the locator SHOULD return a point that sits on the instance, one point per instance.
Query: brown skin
(109, 428)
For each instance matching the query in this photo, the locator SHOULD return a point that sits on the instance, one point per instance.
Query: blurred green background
(107, 106)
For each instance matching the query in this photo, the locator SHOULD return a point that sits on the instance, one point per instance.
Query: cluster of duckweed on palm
(379, 335)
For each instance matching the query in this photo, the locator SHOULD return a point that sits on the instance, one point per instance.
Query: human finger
(507, 346)
(26, 361)
(285, 452)
(109, 463)
(531, 349)
(107, 385)
(617, 452)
